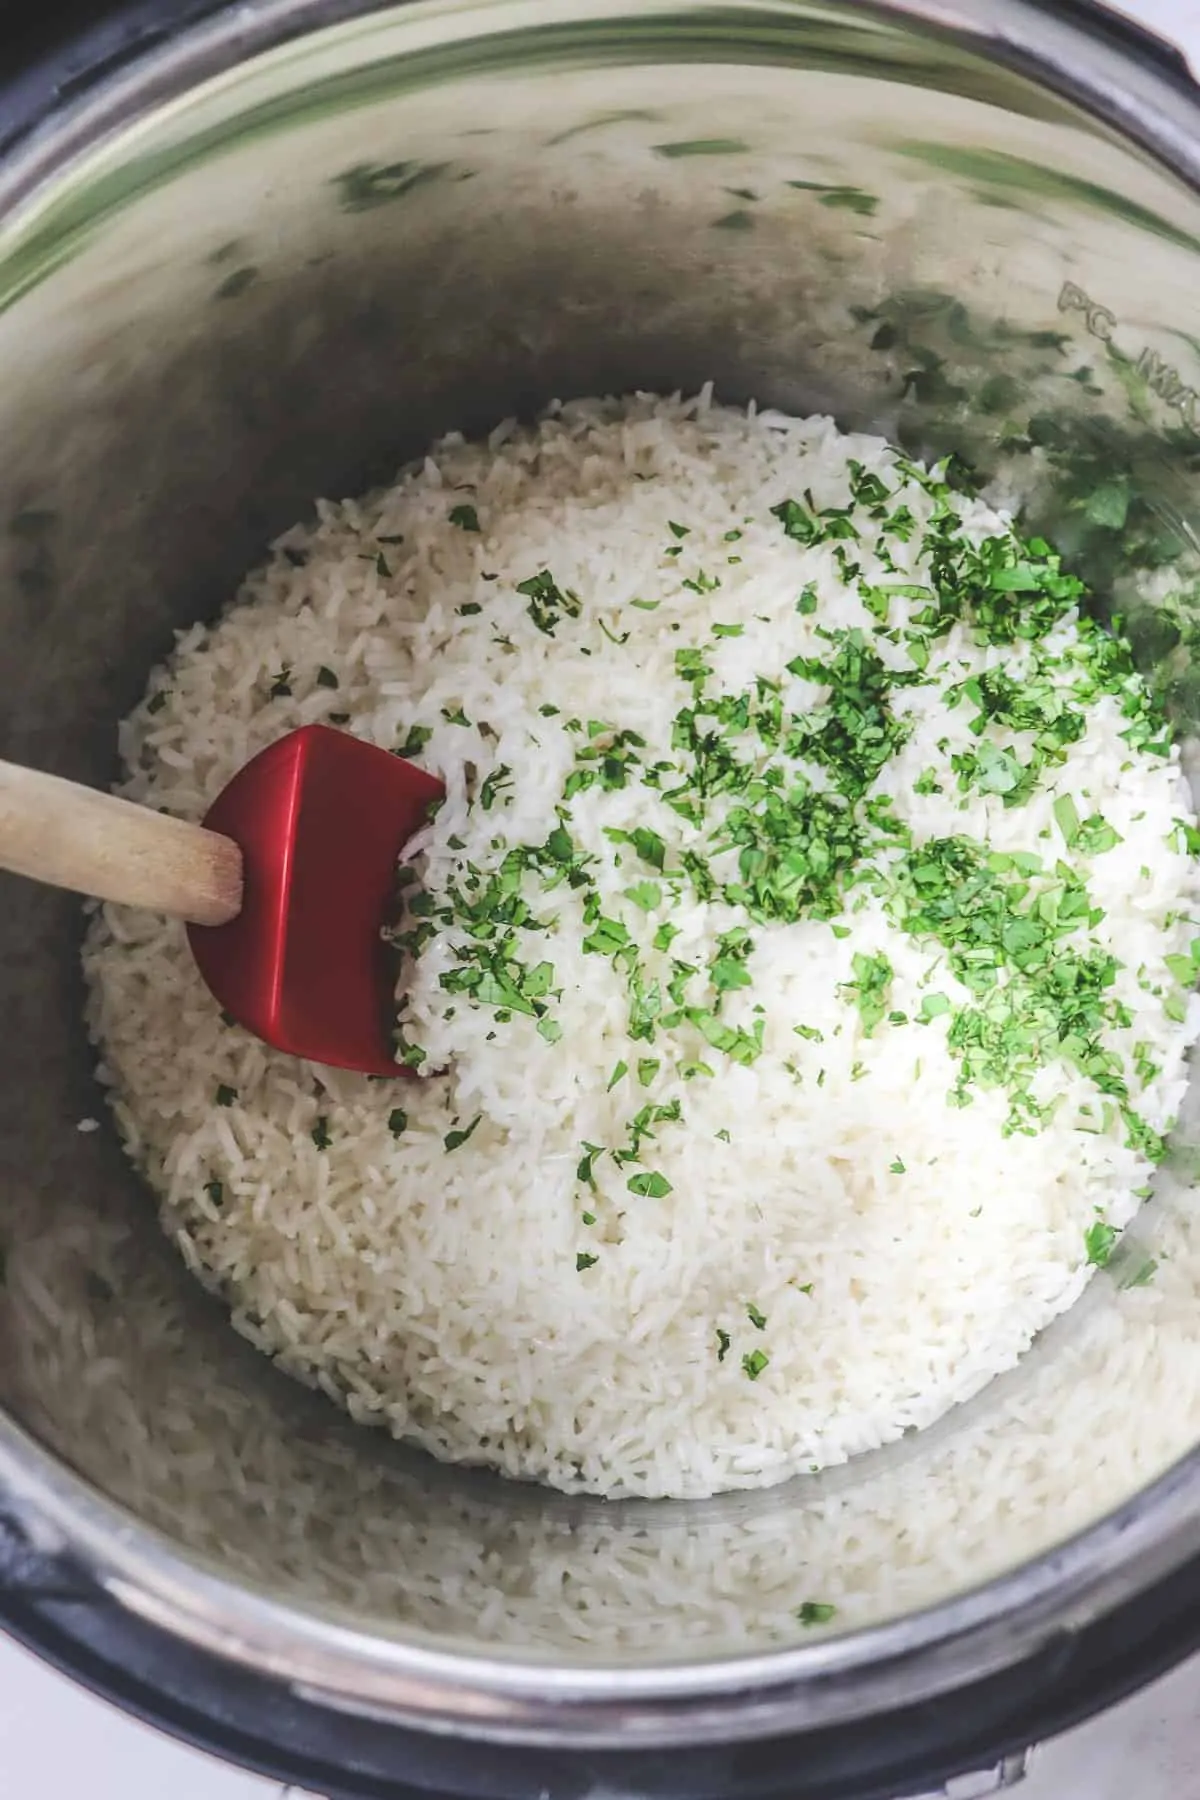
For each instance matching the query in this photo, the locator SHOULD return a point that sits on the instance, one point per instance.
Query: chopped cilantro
(740, 1046)
(587, 1163)
(645, 894)
(415, 741)
(326, 677)
(584, 1259)
(815, 1612)
(397, 1121)
(547, 601)
(1098, 1241)
(756, 1318)
(754, 1363)
(496, 783)
(226, 1095)
(649, 1184)
(465, 517)
(723, 1342)
(320, 1133)
(870, 987)
(453, 1139)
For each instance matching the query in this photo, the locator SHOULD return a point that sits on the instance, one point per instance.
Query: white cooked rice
(437, 1293)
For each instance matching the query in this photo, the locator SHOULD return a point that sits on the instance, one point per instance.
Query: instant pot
(252, 253)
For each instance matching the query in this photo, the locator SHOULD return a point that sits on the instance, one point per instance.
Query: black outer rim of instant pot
(256, 1722)
(48, 60)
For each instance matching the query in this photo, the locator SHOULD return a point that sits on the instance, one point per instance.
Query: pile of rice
(820, 1245)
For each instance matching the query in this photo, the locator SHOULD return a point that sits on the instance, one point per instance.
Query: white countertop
(58, 1743)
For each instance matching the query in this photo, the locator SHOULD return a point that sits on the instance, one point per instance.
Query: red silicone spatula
(285, 886)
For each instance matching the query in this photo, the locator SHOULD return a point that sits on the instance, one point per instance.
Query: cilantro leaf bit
(645, 894)
(548, 603)
(854, 732)
(414, 742)
(1098, 1241)
(871, 986)
(744, 1047)
(587, 1163)
(494, 786)
(729, 971)
(454, 1139)
(807, 524)
(649, 1185)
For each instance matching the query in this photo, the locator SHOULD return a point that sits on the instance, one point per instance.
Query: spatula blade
(321, 819)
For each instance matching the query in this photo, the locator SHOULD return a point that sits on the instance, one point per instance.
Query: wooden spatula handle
(74, 837)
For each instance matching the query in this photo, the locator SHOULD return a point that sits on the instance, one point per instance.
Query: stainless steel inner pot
(271, 259)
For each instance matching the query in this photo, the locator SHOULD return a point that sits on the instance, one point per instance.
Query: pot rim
(1112, 77)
